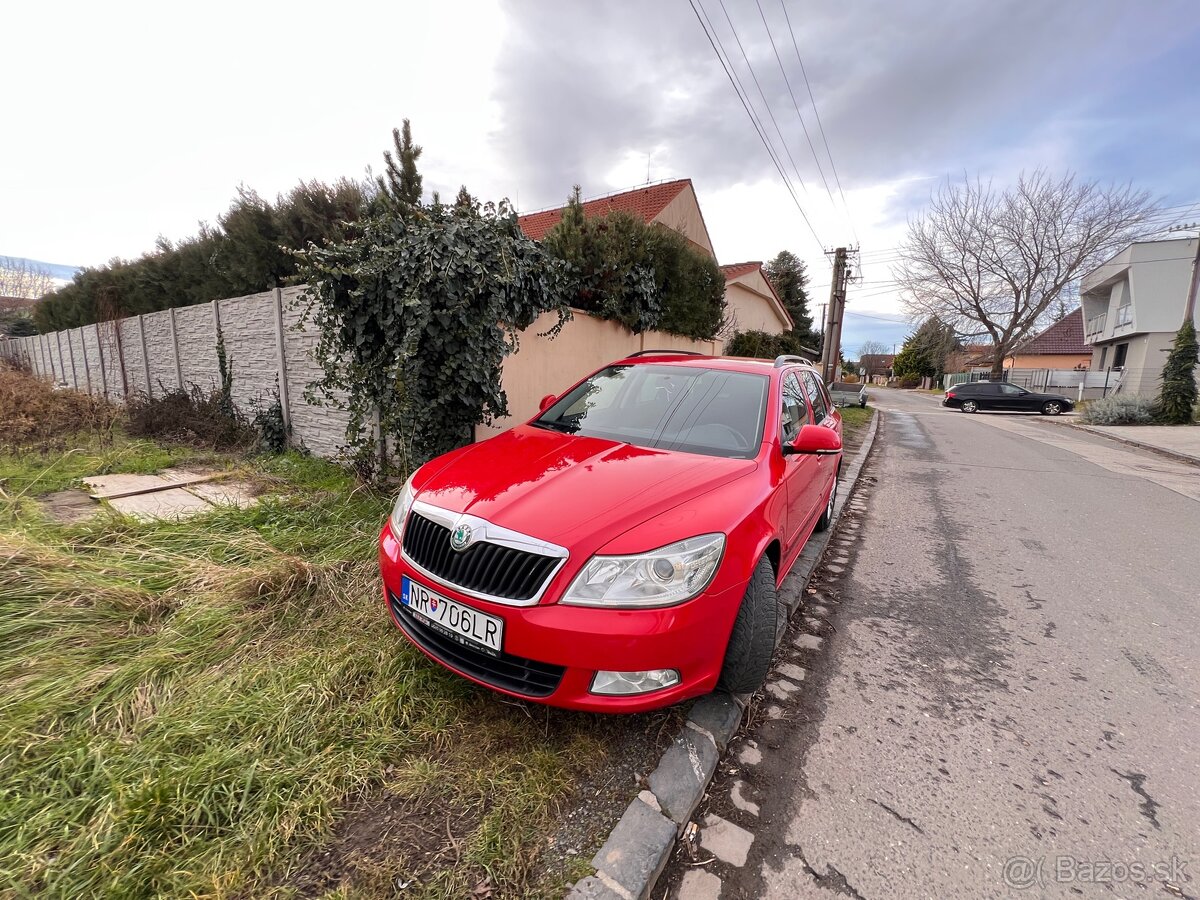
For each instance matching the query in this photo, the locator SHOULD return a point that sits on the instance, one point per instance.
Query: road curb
(1128, 442)
(632, 859)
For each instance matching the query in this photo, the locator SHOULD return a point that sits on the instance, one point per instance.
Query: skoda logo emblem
(460, 538)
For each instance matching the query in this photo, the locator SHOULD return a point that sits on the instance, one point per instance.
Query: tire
(862, 404)
(826, 519)
(969, 406)
(752, 641)
(1052, 408)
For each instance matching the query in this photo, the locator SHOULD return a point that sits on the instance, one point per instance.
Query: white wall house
(1132, 306)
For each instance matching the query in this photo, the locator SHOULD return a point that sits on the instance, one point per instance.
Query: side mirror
(546, 403)
(814, 440)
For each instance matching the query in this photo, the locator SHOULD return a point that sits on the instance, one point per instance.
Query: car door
(1013, 398)
(984, 394)
(800, 470)
(826, 416)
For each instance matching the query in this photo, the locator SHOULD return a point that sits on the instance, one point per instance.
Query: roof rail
(657, 352)
(784, 360)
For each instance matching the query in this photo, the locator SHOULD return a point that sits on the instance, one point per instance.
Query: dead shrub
(191, 416)
(37, 417)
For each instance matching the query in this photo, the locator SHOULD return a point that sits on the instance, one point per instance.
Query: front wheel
(826, 519)
(753, 639)
(969, 406)
(1052, 408)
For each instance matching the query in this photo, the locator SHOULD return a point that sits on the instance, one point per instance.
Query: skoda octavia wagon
(622, 549)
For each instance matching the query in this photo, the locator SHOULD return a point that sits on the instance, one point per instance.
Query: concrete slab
(175, 503)
(225, 493)
(105, 487)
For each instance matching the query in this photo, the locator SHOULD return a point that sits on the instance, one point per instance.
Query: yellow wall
(683, 215)
(543, 366)
(752, 310)
(1049, 361)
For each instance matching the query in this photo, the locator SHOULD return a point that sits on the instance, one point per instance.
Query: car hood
(579, 492)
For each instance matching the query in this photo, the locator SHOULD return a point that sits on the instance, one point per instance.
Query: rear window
(692, 410)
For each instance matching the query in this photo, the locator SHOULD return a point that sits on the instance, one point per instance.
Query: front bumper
(552, 652)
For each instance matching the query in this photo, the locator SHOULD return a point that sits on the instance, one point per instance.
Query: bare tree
(990, 262)
(873, 348)
(20, 278)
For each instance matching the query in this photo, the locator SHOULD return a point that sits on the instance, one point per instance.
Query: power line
(749, 112)
(817, 115)
(795, 105)
(762, 94)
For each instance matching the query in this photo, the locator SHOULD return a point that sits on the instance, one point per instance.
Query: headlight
(661, 577)
(403, 504)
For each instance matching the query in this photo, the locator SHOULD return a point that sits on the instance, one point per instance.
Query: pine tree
(788, 276)
(400, 184)
(1177, 400)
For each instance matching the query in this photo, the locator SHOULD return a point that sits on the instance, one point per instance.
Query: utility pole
(1189, 311)
(832, 345)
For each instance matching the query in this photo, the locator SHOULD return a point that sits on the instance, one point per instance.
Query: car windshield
(692, 410)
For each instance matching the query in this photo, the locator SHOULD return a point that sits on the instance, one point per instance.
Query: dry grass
(36, 417)
(199, 708)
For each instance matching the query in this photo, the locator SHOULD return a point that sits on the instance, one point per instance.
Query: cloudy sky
(130, 120)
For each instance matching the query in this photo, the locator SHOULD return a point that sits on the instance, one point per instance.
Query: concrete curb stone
(637, 849)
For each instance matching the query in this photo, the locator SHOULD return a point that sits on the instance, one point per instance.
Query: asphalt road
(1007, 702)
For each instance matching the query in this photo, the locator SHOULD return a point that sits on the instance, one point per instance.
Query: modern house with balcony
(1132, 306)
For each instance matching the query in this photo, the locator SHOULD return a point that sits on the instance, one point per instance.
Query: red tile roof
(737, 270)
(645, 202)
(1064, 336)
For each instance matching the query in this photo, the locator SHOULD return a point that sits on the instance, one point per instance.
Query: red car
(621, 550)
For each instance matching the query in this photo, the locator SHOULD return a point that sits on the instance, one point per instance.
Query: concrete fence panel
(160, 349)
(196, 337)
(248, 329)
(320, 429)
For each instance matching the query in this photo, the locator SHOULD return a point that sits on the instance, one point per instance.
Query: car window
(1010, 389)
(795, 410)
(816, 396)
(693, 410)
(984, 388)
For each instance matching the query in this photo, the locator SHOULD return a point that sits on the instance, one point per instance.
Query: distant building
(1133, 306)
(877, 363)
(1061, 346)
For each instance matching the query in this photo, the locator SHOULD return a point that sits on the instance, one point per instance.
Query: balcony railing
(1124, 314)
(1095, 325)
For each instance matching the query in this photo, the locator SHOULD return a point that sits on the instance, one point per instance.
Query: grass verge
(220, 707)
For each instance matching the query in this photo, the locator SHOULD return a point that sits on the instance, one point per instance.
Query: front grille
(512, 673)
(484, 568)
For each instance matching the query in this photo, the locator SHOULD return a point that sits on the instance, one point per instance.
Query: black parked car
(1002, 396)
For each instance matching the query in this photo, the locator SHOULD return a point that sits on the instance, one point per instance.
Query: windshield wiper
(555, 426)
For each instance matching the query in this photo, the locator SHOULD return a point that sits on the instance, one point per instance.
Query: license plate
(455, 620)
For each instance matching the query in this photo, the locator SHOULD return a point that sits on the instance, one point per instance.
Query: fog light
(634, 682)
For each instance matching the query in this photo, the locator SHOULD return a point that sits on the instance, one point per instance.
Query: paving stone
(683, 773)
(719, 715)
(637, 850)
(790, 670)
(774, 712)
(807, 642)
(835, 569)
(817, 610)
(697, 884)
(811, 623)
(726, 841)
(782, 689)
(737, 797)
(225, 493)
(592, 888)
(750, 756)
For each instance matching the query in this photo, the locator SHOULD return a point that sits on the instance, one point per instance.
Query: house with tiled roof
(751, 302)
(1061, 346)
